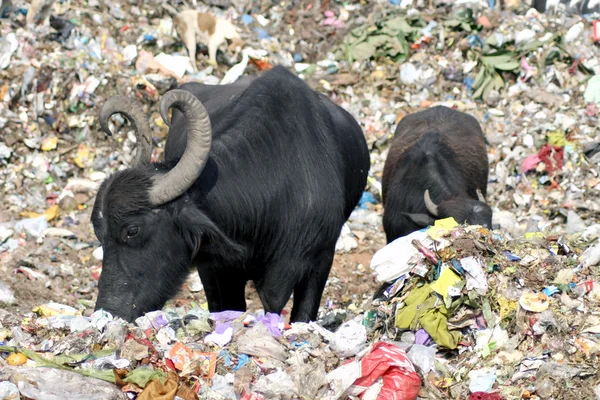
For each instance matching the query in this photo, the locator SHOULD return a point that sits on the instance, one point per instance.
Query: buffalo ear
(421, 220)
(200, 232)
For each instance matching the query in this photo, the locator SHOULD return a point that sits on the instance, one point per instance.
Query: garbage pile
(464, 312)
(191, 355)
(488, 316)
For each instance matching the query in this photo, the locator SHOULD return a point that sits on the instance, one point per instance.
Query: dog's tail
(170, 10)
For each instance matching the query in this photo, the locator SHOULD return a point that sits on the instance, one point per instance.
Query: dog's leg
(34, 8)
(188, 36)
(213, 45)
(44, 13)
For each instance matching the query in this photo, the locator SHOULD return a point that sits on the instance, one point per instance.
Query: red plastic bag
(485, 396)
(252, 396)
(389, 363)
(548, 154)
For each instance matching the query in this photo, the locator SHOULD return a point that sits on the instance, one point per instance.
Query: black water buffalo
(258, 190)
(437, 166)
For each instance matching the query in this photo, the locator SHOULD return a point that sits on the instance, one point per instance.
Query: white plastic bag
(392, 261)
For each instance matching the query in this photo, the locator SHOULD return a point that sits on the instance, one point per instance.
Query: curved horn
(133, 111)
(480, 196)
(199, 138)
(431, 207)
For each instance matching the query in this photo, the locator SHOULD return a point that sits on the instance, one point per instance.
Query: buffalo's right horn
(431, 207)
(199, 139)
(133, 111)
(480, 196)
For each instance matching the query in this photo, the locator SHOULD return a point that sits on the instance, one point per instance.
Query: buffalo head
(148, 225)
(462, 209)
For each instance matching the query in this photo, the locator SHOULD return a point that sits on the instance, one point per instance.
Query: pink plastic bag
(391, 364)
(252, 396)
(530, 163)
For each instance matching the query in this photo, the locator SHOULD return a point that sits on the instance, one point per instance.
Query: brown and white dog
(192, 25)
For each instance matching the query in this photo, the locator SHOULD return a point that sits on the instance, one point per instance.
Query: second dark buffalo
(437, 167)
(258, 179)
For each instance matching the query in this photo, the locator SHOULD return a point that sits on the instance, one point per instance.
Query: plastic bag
(482, 380)
(591, 256)
(258, 342)
(277, 385)
(423, 357)
(221, 386)
(309, 378)
(349, 339)
(384, 361)
(9, 391)
(55, 384)
(32, 226)
(392, 261)
(6, 294)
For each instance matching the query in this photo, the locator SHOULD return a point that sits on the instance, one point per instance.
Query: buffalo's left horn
(480, 196)
(133, 111)
(433, 209)
(199, 138)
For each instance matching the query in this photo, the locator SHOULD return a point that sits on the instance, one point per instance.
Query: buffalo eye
(132, 231)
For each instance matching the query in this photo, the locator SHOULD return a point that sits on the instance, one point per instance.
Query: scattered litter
(349, 339)
(534, 302)
(6, 294)
(482, 380)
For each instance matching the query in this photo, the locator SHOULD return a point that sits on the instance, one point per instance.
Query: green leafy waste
(139, 376)
(389, 38)
(496, 58)
(488, 78)
(105, 375)
(464, 20)
(142, 375)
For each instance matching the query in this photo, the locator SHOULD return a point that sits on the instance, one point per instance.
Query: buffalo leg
(308, 292)
(276, 285)
(224, 287)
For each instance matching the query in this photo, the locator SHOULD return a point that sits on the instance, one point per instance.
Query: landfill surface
(452, 311)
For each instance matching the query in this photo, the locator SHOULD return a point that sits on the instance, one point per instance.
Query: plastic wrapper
(258, 342)
(52, 309)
